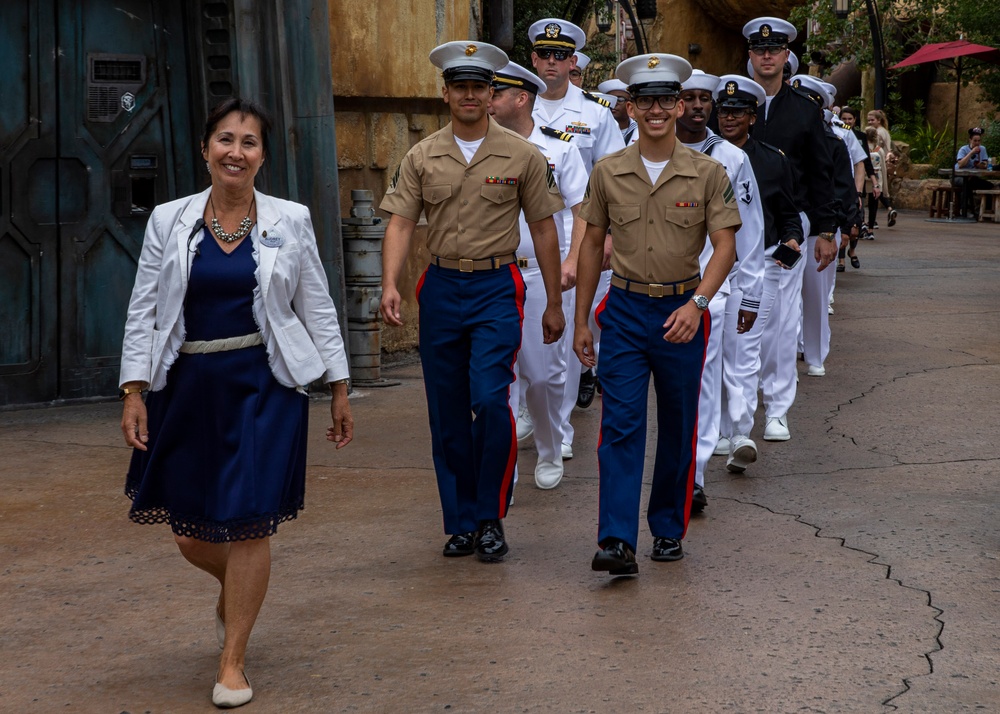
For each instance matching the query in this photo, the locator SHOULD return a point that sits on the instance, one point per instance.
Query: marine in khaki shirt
(659, 200)
(472, 179)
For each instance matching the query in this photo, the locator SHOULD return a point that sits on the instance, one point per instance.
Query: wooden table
(961, 177)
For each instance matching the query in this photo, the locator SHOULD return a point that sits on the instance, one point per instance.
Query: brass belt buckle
(655, 290)
(466, 265)
(522, 262)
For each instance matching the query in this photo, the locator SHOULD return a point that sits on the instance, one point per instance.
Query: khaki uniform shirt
(658, 231)
(472, 209)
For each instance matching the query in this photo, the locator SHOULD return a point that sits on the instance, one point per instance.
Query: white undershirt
(654, 168)
(767, 105)
(548, 108)
(469, 148)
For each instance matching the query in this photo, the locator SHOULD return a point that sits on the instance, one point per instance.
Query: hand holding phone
(786, 257)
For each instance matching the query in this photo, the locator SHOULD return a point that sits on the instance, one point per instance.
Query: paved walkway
(852, 569)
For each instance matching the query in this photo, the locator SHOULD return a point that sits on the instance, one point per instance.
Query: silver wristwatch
(700, 301)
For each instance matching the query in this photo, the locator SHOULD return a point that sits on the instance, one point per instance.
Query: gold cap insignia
(730, 88)
(765, 30)
(471, 50)
(797, 83)
(552, 30)
(653, 61)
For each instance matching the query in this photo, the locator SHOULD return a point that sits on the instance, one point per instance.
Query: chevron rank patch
(394, 181)
(550, 179)
(728, 194)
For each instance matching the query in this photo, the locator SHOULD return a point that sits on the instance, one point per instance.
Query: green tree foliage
(906, 25)
(528, 11)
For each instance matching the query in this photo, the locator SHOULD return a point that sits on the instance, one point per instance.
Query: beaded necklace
(245, 225)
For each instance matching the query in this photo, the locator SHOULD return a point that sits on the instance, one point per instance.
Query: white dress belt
(202, 347)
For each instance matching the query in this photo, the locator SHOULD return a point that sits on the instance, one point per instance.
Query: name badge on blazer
(272, 239)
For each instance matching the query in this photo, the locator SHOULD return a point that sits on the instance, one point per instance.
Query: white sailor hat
(582, 60)
(739, 92)
(701, 80)
(831, 91)
(792, 64)
(612, 85)
(514, 75)
(769, 32)
(556, 34)
(813, 87)
(468, 60)
(654, 74)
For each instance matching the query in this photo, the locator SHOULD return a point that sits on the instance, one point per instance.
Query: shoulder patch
(550, 179)
(555, 133)
(395, 179)
(727, 194)
(603, 102)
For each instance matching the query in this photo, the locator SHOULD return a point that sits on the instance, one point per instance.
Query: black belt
(469, 265)
(656, 289)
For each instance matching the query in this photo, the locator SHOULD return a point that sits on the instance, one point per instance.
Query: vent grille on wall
(111, 77)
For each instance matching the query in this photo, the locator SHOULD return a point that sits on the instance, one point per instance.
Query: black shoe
(460, 544)
(698, 500)
(617, 558)
(491, 546)
(597, 386)
(892, 217)
(665, 549)
(585, 397)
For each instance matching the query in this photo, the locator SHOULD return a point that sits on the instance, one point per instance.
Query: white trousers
(779, 339)
(710, 399)
(741, 367)
(573, 365)
(541, 372)
(816, 291)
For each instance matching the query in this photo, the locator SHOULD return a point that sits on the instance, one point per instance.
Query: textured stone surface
(828, 578)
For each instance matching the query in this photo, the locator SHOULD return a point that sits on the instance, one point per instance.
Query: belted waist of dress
(203, 347)
(656, 289)
(470, 265)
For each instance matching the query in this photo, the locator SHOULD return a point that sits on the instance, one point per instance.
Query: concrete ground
(852, 569)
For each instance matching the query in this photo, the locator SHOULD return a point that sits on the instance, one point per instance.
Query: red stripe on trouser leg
(508, 475)
(706, 323)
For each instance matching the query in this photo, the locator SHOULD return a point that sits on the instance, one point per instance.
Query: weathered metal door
(95, 133)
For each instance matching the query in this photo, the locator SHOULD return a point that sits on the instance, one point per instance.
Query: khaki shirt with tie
(658, 232)
(472, 209)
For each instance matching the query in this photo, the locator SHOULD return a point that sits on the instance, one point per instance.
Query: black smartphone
(786, 256)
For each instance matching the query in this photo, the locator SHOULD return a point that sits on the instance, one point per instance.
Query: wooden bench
(988, 205)
(945, 201)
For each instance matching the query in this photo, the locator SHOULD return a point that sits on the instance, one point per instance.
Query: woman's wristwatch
(122, 393)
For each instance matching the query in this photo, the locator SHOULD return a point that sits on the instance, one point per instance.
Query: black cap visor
(468, 73)
(747, 101)
(775, 39)
(655, 89)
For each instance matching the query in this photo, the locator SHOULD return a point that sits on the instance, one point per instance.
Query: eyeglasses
(559, 54)
(735, 112)
(646, 102)
(575, 73)
(761, 51)
(618, 100)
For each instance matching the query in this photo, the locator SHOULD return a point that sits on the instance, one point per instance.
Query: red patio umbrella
(952, 50)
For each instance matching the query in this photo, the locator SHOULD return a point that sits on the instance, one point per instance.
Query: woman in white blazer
(230, 319)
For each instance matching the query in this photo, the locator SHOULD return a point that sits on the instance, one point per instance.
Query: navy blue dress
(227, 443)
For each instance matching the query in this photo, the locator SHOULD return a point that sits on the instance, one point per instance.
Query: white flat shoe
(226, 698)
(548, 474)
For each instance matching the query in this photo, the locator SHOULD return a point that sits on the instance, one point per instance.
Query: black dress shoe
(698, 499)
(666, 549)
(460, 544)
(491, 546)
(588, 384)
(617, 558)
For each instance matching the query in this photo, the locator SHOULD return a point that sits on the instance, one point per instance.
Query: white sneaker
(567, 451)
(776, 429)
(744, 453)
(525, 427)
(829, 309)
(816, 371)
(548, 474)
(722, 448)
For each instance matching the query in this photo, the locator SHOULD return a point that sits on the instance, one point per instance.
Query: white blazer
(291, 303)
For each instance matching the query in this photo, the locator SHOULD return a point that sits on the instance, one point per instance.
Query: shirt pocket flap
(622, 213)
(499, 194)
(436, 192)
(686, 216)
